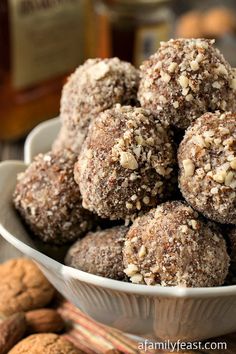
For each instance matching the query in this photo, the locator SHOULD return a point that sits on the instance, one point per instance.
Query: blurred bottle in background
(131, 30)
(41, 42)
(210, 19)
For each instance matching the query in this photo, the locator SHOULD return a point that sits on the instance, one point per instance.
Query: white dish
(154, 312)
(40, 139)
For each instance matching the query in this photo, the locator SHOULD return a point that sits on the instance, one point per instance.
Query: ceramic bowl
(149, 311)
(40, 139)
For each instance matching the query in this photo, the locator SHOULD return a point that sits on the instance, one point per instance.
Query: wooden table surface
(12, 151)
(15, 151)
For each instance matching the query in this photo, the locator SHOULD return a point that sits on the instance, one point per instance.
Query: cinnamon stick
(113, 336)
(78, 343)
(76, 337)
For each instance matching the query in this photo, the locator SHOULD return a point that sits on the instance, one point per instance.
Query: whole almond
(44, 321)
(12, 330)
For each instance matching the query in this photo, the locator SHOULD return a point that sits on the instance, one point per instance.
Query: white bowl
(40, 139)
(150, 311)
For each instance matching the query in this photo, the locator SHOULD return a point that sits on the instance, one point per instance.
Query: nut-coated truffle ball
(100, 253)
(71, 139)
(185, 79)
(232, 239)
(171, 246)
(207, 161)
(49, 200)
(126, 163)
(95, 86)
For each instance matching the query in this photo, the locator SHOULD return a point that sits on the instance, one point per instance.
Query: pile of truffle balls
(141, 180)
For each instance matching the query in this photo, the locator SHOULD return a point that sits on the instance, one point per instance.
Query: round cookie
(171, 246)
(126, 164)
(100, 253)
(23, 287)
(185, 79)
(46, 343)
(95, 86)
(49, 200)
(207, 161)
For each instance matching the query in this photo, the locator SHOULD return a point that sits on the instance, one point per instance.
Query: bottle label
(46, 39)
(148, 39)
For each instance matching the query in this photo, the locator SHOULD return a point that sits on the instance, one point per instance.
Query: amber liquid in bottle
(24, 106)
(130, 30)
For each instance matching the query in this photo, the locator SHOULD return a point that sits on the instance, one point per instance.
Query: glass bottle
(130, 30)
(41, 42)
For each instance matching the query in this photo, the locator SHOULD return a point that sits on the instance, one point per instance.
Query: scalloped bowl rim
(35, 132)
(69, 272)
